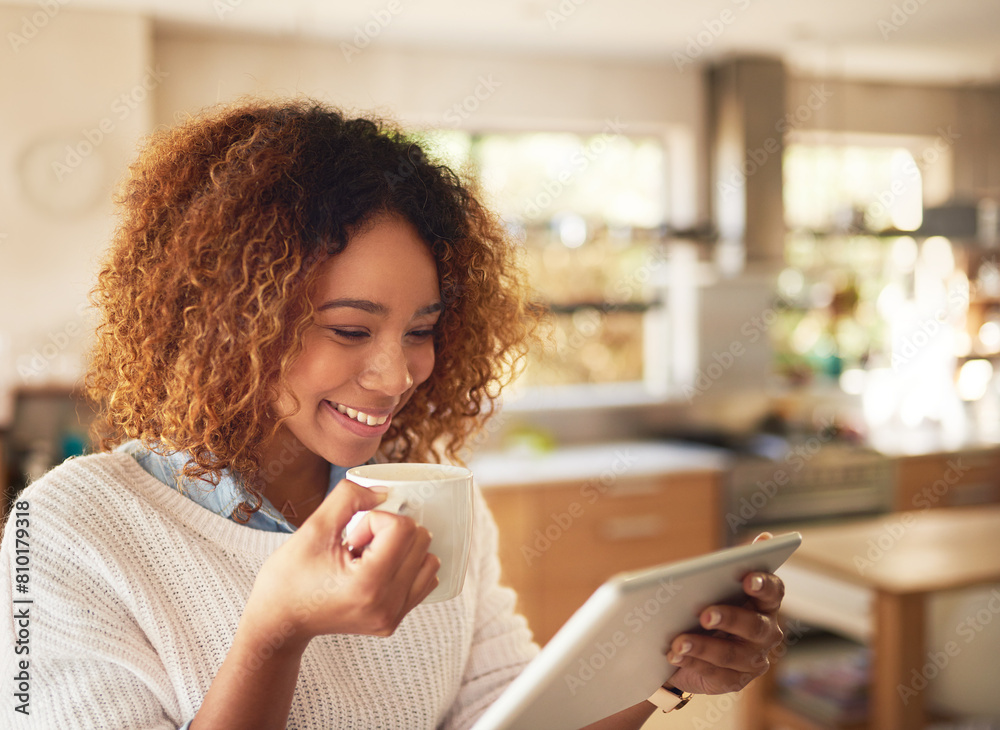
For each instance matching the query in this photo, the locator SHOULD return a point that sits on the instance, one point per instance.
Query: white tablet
(612, 653)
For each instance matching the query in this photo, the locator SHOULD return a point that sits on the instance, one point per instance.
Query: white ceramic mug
(437, 496)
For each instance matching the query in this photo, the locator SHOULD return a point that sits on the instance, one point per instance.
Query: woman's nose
(387, 371)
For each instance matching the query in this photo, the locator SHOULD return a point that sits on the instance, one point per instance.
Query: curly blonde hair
(203, 296)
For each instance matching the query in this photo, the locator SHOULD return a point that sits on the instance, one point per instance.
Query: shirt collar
(223, 498)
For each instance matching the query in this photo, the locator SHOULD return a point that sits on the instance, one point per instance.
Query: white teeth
(360, 417)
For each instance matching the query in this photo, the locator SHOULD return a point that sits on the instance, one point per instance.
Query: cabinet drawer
(560, 541)
(588, 536)
(634, 526)
(948, 481)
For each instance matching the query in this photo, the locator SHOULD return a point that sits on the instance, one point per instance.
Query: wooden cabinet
(938, 552)
(948, 480)
(560, 540)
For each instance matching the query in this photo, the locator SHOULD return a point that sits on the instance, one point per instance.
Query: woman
(291, 293)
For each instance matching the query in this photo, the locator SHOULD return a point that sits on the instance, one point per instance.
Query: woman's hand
(735, 649)
(316, 584)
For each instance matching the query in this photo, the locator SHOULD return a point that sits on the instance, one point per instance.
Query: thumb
(343, 502)
(763, 536)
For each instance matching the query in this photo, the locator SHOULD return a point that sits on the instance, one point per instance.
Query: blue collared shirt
(222, 499)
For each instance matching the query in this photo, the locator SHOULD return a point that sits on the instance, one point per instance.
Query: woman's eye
(422, 334)
(348, 334)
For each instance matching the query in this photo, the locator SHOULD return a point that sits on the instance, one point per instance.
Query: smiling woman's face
(371, 342)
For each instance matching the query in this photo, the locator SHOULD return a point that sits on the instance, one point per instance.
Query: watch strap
(670, 698)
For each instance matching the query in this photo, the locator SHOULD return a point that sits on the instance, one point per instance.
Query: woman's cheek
(422, 364)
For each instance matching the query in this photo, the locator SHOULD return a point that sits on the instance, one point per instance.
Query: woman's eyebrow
(364, 305)
(371, 307)
(430, 309)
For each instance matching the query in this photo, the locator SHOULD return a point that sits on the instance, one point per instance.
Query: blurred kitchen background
(767, 231)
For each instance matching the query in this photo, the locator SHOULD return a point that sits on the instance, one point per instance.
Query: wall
(442, 88)
(76, 98)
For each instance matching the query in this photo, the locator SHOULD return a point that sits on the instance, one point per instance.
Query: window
(844, 197)
(871, 302)
(589, 210)
(867, 189)
(864, 183)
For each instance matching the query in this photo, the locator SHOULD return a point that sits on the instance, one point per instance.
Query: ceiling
(936, 41)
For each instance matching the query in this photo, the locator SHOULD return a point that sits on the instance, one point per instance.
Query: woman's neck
(293, 479)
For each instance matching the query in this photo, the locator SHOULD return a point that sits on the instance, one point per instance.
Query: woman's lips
(361, 423)
(362, 417)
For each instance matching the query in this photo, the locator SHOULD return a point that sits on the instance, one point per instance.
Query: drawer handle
(634, 489)
(632, 528)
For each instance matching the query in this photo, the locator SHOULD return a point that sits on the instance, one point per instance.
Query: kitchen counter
(579, 463)
(926, 442)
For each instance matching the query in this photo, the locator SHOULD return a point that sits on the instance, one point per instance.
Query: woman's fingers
(765, 590)
(743, 622)
(703, 677)
(398, 545)
(333, 588)
(418, 568)
(737, 640)
(337, 509)
(735, 651)
(719, 651)
(426, 581)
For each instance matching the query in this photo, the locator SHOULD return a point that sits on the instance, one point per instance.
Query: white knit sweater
(136, 593)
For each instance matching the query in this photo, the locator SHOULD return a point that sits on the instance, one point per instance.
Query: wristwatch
(670, 698)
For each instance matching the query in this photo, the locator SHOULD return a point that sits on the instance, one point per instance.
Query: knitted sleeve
(73, 657)
(501, 643)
